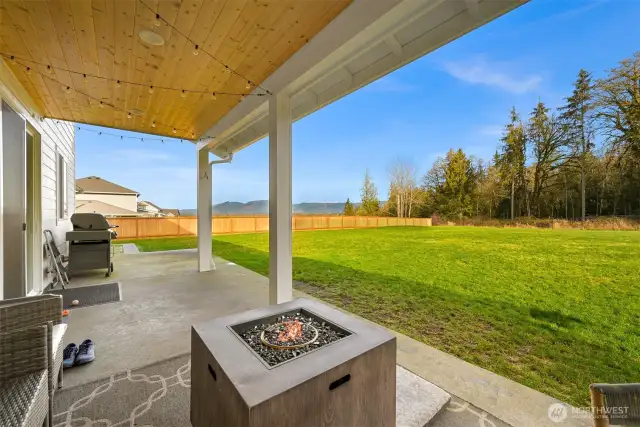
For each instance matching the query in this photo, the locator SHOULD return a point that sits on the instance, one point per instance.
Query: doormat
(89, 295)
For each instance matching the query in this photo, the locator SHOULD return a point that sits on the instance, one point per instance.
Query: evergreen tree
(512, 157)
(369, 203)
(576, 115)
(348, 209)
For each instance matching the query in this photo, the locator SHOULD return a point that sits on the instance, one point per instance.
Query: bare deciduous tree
(403, 191)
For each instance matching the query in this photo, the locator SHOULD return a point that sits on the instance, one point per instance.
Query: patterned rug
(158, 396)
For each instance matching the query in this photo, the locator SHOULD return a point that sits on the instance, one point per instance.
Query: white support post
(204, 211)
(280, 265)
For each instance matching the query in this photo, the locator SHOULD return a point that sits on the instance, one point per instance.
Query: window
(63, 206)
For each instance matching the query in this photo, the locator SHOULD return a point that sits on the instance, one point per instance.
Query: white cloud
(503, 75)
(389, 84)
(491, 130)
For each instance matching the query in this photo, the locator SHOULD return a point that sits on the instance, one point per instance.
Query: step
(417, 400)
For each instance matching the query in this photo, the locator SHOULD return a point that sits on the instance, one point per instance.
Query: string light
(248, 85)
(29, 70)
(153, 124)
(84, 78)
(227, 70)
(196, 51)
(157, 22)
(122, 137)
(183, 94)
(150, 89)
(213, 96)
(95, 101)
(118, 83)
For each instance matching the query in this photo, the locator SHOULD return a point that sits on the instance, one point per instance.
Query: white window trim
(62, 213)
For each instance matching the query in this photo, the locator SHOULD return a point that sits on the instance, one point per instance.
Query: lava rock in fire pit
(283, 333)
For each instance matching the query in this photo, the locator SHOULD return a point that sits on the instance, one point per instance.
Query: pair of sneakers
(78, 355)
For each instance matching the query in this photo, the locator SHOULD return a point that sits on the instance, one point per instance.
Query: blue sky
(456, 97)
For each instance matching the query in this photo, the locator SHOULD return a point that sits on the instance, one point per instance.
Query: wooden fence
(131, 228)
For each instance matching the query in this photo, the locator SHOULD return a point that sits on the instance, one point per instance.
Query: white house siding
(56, 137)
(124, 201)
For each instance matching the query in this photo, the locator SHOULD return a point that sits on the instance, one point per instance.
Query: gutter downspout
(224, 160)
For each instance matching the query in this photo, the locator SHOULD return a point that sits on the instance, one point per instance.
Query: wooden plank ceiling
(101, 38)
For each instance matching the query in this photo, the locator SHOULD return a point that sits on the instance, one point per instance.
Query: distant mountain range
(258, 207)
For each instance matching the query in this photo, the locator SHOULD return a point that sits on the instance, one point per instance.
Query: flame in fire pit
(291, 332)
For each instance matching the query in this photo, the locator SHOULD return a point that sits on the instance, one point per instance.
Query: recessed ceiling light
(151, 38)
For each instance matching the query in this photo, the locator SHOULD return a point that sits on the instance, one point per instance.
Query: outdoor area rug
(158, 395)
(89, 295)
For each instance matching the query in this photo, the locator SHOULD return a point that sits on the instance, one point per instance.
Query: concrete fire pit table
(337, 370)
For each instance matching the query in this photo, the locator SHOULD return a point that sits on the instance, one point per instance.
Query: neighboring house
(113, 199)
(37, 172)
(96, 206)
(171, 212)
(146, 208)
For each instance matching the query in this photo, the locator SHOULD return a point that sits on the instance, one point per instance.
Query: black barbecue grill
(90, 243)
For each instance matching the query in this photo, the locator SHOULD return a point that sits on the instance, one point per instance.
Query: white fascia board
(383, 35)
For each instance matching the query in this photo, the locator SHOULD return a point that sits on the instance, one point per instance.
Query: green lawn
(555, 310)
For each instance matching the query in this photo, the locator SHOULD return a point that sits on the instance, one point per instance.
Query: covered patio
(163, 296)
(222, 75)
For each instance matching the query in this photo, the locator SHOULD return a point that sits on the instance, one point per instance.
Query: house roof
(175, 212)
(95, 184)
(96, 206)
(150, 204)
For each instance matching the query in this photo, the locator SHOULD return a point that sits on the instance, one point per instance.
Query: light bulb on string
(118, 84)
(157, 21)
(153, 124)
(128, 115)
(29, 70)
(227, 70)
(248, 85)
(101, 105)
(13, 59)
(174, 130)
(68, 89)
(150, 89)
(84, 78)
(183, 94)
(49, 69)
(196, 50)
(213, 96)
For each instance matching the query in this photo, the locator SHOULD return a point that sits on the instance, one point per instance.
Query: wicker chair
(19, 313)
(24, 377)
(615, 404)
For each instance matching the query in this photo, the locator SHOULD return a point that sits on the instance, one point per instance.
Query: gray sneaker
(86, 352)
(69, 355)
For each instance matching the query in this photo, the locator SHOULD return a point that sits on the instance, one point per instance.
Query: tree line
(578, 160)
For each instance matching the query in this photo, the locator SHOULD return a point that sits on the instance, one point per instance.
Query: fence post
(137, 226)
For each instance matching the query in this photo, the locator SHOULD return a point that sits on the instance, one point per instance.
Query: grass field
(554, 310)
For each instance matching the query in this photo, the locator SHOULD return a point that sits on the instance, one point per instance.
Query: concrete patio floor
(163, 295)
